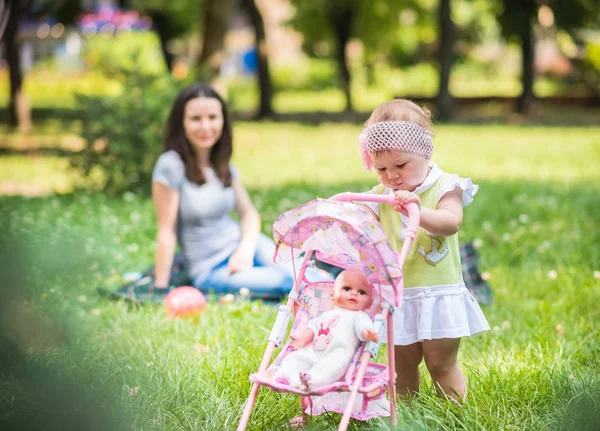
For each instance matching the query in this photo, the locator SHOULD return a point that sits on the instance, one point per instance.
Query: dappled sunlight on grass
(33, 176)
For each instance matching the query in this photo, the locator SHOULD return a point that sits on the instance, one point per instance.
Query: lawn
(107, 365)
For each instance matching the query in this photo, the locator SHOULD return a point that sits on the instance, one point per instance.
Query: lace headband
(395, 135)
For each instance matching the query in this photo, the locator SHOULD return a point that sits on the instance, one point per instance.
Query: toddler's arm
(445, 220)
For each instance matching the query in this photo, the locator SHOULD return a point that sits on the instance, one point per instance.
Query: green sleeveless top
(432, 260)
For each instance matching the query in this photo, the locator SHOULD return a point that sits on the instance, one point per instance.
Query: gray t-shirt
(206, 233)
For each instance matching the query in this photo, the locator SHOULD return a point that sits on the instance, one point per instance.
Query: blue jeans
(265, 280)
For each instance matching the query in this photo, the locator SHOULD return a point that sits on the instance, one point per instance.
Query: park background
(85, 87)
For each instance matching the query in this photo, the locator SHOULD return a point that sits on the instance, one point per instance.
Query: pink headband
(395, 135)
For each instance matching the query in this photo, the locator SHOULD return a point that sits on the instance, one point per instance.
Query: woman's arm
(242, 258)
(166, 204)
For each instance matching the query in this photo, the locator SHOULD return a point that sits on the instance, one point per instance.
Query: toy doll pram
(345, 235)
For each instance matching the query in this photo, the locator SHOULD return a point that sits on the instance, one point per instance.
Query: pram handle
(412, 208)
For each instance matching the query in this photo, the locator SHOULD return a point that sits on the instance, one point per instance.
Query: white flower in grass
(505, 324)
(244, 291)
(519, 199)
(135, 217)
(486, 276)
(523, 218)
(597, 275)
(227, 299)
(149, 364)
(96, 312)
(552, 274)
(82, 298)
(496, 328)
(487, 226)
(132, 248)
(544, 246)
(477, 242)
(129, 197)
(513, 223)
(506, 236)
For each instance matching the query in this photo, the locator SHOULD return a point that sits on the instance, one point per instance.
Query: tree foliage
(397, 31)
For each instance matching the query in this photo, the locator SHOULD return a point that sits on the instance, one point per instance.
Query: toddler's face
(400, 171)
(352, 291)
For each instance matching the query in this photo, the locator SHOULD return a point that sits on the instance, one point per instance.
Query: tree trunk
(3, 18)
(265, 85)
(528, 61)
(160, 24)
(217, 14)
(18, 107)
(445, 102)
(341, 18)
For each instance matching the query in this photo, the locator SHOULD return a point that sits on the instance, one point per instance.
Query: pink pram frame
(359, 372)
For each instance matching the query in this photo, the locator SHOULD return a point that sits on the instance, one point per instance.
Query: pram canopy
(342, 234)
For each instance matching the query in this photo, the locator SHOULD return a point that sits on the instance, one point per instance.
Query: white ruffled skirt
(428, 313)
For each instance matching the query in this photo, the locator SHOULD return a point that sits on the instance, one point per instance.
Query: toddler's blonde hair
(401, 110)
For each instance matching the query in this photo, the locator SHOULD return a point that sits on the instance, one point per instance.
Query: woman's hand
(241, 260)
(403, 197)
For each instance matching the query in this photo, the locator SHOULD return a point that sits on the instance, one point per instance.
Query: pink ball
(184, 301)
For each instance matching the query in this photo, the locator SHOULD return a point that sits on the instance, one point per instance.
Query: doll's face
(352, 291)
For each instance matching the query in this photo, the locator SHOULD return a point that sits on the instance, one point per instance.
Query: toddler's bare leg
(408, 359)
(440, 358)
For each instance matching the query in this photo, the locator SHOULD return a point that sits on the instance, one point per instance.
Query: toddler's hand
(403, 197)
(370, 335)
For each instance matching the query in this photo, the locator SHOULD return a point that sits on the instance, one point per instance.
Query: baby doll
(335, 336)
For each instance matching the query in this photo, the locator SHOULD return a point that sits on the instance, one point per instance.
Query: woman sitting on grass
(194, 189)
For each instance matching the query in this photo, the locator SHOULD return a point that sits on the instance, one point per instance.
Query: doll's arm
(370, 335)
(300, 338)
(364, 328)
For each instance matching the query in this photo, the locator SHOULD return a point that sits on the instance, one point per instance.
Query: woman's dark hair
(175, 138)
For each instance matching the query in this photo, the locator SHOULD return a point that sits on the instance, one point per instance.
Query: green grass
(535, 222)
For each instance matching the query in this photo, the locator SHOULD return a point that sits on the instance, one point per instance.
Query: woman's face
(203, 122)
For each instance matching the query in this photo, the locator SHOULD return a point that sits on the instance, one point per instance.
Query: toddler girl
(437, 309)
